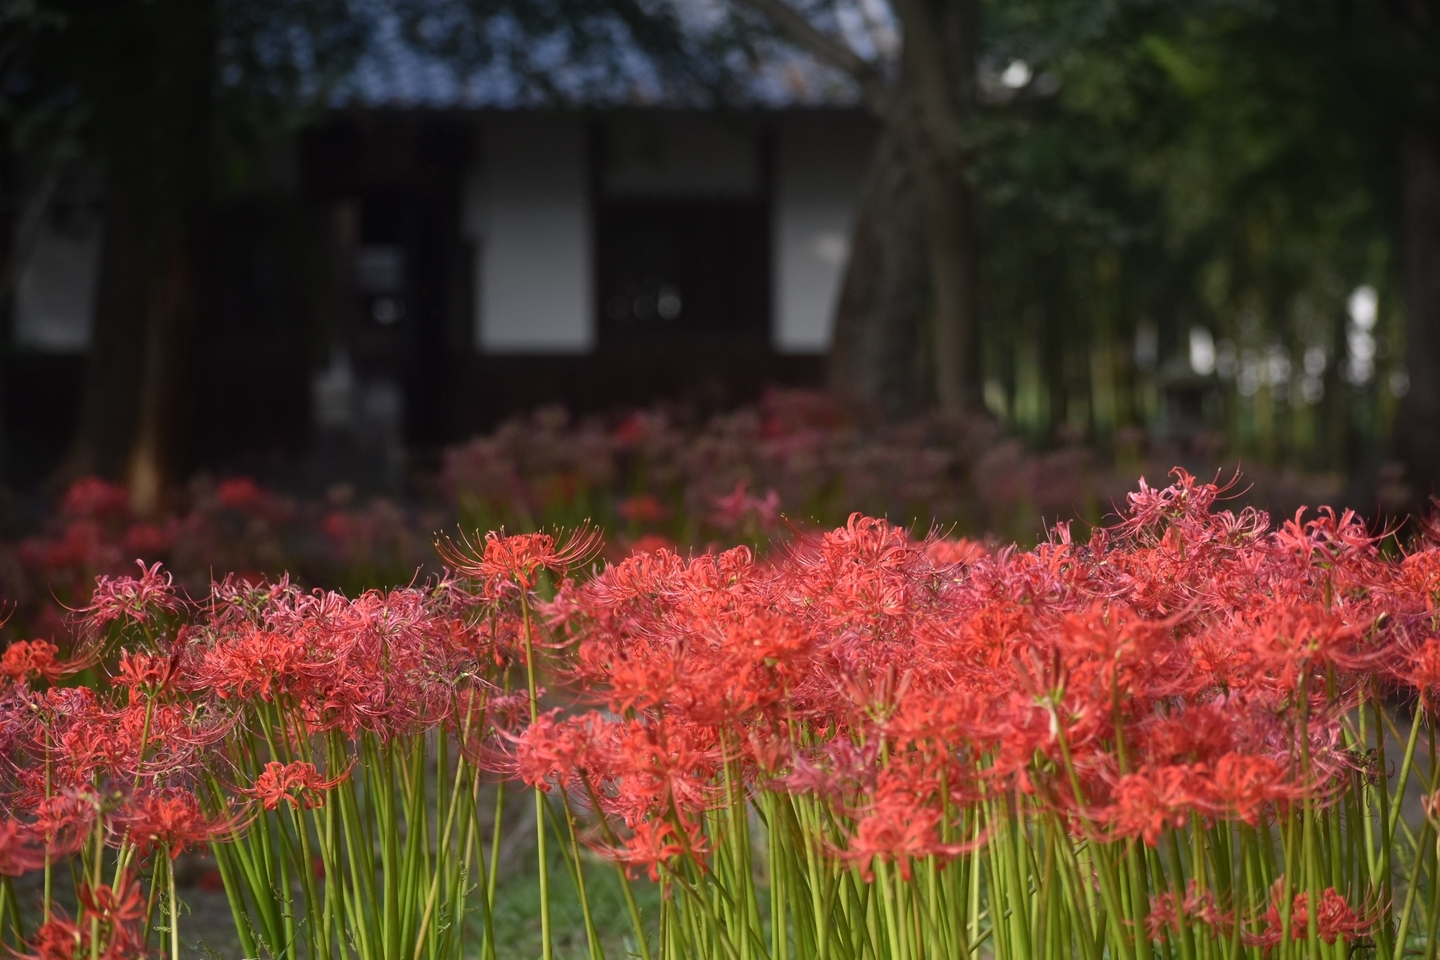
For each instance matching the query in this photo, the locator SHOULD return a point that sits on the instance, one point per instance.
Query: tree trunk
(153, 103)
(874, 359)
(951, 250)
(1419, 427)
(155, 455)
(921, 160)
(941, 45)
(101, 443)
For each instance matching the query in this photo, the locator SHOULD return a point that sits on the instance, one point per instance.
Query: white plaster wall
(55, 293)
(528, 213)
(819, 165)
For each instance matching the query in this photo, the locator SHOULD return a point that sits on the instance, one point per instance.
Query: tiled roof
(394, 73)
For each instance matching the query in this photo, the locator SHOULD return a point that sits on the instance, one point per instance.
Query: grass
(517, 912)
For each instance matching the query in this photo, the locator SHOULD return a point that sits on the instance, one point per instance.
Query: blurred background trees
(1093, 221)
(1213, 190)
(167, 106)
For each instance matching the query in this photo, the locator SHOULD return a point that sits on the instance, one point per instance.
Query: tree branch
(826, 49)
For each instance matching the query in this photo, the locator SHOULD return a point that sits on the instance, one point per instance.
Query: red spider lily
(1335, 918)
(1148, 802)
(1198, 906)
(632, 431)
(655, 843)
(1163, 650)
(1430, 804)
(240, 493)
(1243, 785)
(146, 539)
(1338, 541)
(299, 784)
(643, 509)
(252, 663)
(385, 661)
(1111, 653)
(1420, 669)
(93, 497)
(900, 696)
(30, 659)
(1416, 585)
(170, 818)
(20, 849)
(1201, 906)
(84, 743)
(946, 552)
(119, 904)
(736, 507)
(1163, 917)
(120, 599)
(1300, 637)
(519, 558)
(1202, 733)
(650, 543)
(640, 770)
(57, 939)
(550, 750)
(65, 821)
(145, 672)
(903, 822)
(60, 938)
(1154, 513)
(895, 830)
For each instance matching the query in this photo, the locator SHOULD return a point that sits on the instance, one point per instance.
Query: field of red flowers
(796, 457)
(1190, 734)
(794, 463)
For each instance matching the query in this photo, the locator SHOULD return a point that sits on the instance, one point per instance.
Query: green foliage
(1228, 166)
(516, 919)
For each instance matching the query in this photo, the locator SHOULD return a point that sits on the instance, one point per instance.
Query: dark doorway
(676, 270)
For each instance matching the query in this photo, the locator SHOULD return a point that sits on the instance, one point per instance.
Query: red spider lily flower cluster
(234, 525)
(904, 701)
(190, 716)
(1335, 919)
(26, 660)
(504, 563)
(739, 506)
(169, 820)
(1170, 671)
(726, 476)
(109, 930)
(297, 784)
(1197, 906)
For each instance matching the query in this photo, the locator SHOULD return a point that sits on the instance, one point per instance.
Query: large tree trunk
(1419, 427)
(153, 95)
(921, 161)
(952, 253)
(874, 359)
(106, 418)
(941, 45)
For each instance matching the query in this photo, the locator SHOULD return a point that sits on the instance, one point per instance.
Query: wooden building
(405, 277)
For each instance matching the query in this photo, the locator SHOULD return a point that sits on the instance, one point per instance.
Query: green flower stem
(573, 862)
(493, 877)
(174, 908)
(547, 945)
(1405, 765)
(641, 937)
(7, 901)
(1411, 893)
